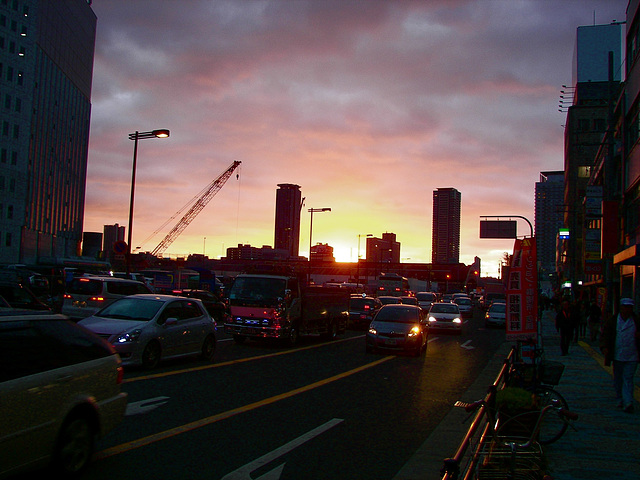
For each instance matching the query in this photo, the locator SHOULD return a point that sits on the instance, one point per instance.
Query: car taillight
(66, 295)
(97, 299)
(367, 307)
(119, 375)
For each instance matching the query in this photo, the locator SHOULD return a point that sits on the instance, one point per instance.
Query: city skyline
(368, 110)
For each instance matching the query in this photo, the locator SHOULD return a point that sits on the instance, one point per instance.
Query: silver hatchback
(145, 329)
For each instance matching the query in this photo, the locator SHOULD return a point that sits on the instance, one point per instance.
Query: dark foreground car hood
(396, 327)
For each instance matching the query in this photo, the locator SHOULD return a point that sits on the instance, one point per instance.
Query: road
(263, 411)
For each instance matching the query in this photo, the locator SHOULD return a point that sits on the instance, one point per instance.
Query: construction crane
(195, 209)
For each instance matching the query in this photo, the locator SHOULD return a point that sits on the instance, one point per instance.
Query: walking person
(595, 315)
(565, 324)
(620, 344)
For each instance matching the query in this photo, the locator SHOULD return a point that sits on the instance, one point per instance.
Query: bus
(392, 284)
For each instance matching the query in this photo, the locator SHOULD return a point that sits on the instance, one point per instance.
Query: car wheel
(209, 348)
(239, 338)
(292, 339)
(74, 446)
(332, 334)
(151, 355)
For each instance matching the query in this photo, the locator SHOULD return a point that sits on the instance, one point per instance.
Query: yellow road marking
(598, 357)
(156, 437)
(232, 362)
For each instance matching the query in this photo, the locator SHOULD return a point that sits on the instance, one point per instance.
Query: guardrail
(479, 426)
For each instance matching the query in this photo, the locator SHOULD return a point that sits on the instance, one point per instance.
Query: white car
(465, 304)
(59, 390)
(496, 315)
(145, 329)
(445, 316)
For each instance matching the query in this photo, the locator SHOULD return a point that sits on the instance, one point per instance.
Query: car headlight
(129, 337)
(373, 331)
(414, 332)
(457, 320)
(433, 319)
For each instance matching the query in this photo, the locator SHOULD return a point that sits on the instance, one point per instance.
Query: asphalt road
(263, 411)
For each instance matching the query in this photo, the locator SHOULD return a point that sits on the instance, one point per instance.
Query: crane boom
(195, 209)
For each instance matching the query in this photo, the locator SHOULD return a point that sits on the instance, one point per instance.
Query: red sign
(522, 291)
(120, 247)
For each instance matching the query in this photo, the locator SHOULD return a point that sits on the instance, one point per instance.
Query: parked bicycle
(539, 377)
(506, 457)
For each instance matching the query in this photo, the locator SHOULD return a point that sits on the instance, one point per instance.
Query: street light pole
(160, 133)
(358, 259)
(312, 211)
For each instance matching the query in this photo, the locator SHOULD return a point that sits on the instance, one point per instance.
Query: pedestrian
(565, 324)
(620, 345)
(595, 316)
(579, 313)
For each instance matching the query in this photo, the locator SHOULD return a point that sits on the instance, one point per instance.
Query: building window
(7, 101)
(10, 212)
(3, 155)
(16, 131)
(14, 158)
(8, 240)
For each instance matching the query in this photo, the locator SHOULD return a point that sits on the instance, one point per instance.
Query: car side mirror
(171, 321)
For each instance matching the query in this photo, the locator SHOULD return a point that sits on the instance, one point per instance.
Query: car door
(196, 324)
(172, 329)
(34, 377)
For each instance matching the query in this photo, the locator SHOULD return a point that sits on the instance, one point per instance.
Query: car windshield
(84, 286)
(257, 290)
(444, 308)
(131, 308)
(400, 315)
(498, 308)
(463, 301)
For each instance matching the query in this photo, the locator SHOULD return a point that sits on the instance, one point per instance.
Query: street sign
(498, 228)
(120, 247)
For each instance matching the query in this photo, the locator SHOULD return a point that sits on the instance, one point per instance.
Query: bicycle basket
(550, 372)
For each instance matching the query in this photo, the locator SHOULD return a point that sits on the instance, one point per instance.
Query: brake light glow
(97, 299)
(119, 375)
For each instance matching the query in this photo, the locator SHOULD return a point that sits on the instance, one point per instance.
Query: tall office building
(287, 229)
(597, 54)
(445, 235)
(46, 68)
(549, 218)
(383, 250)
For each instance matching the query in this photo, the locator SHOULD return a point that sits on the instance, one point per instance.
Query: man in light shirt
(620, 345)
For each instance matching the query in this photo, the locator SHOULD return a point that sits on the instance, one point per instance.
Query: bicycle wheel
(553, 424)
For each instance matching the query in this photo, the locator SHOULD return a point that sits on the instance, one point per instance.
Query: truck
(392, 284)
(280, 307)
(493, 292)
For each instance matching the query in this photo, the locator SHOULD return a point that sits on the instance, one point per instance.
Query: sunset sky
(369, 106)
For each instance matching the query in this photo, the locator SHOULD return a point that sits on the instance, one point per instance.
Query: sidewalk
(605, 444)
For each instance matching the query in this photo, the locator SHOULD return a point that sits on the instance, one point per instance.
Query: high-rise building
(549, 218)
(287, 228)
(597, 56)
(46, 69)
(445, 235)
(112, 234)
(383, 250)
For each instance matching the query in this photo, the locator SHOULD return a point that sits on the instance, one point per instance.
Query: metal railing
(479, 427)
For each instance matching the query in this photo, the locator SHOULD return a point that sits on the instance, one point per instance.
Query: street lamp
(312, 211)
(358, 259)
(160, 133)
